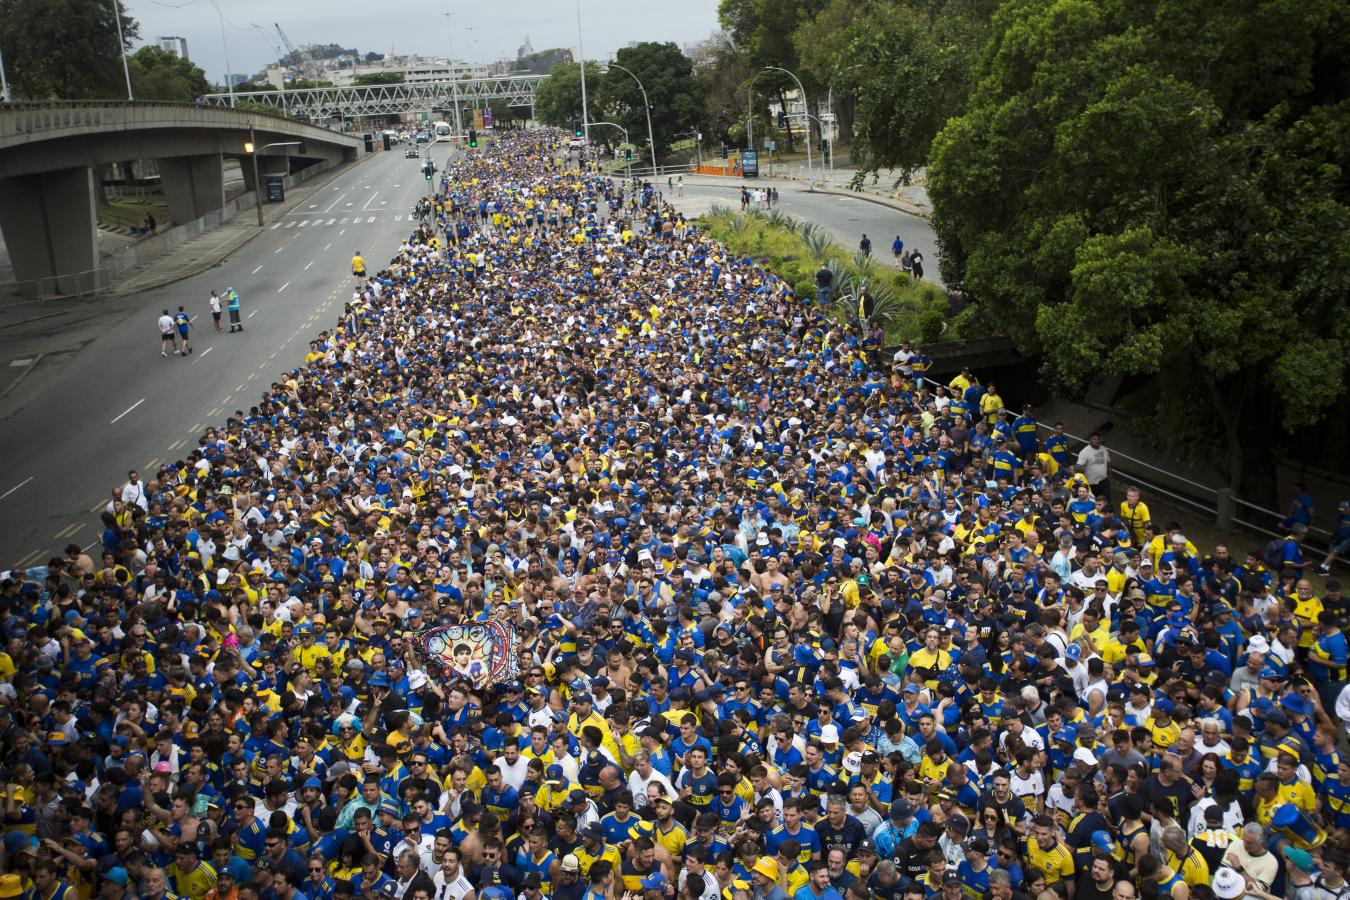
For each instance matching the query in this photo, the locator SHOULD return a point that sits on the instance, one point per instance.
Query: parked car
(412, 152)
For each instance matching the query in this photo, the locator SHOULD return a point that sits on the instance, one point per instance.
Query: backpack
(1273, 554)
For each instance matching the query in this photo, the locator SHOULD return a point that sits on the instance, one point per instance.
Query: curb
(18, 380)
(803, 188)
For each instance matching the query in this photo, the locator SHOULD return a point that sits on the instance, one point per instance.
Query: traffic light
(628, 154)
(473, 138)
(725, 152)
(576, 128)
(428, 169)
(782, 119)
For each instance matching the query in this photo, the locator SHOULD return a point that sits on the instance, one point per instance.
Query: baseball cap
(570, 863)
(1103, 841)
(1297, 858)
(655, 882)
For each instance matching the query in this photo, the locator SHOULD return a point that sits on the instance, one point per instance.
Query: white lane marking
(345, 220)
(398, 218)
(398, 185)
(335, 202)
(255, 271)
(371, 219)
(371, 200)
(351, 204)
(290, 224)
(308, 264)
(325, 249)
(275, 227)
(252, 314)
(278, 250)
(331, 221)
(303, 224)
(314, 206)
(203, 356)
(283, 287)
(342, 232)
(16, 487)
(127, 410)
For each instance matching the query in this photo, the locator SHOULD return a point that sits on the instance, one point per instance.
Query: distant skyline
(484, 33)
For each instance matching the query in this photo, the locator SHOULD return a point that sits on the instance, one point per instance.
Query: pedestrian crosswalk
(336, 221)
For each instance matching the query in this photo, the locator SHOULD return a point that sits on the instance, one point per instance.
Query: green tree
(558, 98)
(1159, 189)
(160, 75)
(668, 77)
(64, 49)
(370, 79)
(723, 71)
(764, 30)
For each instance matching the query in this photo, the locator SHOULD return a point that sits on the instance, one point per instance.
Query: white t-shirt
(166, 325)
(215, 303)
(1096, 463)
(451, 890)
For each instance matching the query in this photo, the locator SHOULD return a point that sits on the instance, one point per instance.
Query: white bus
(441, 131)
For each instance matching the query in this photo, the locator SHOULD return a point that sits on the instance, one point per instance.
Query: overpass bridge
(48, 152)
(389, 99)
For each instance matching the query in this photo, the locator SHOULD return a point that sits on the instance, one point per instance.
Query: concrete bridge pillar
(268, 167)
(194, 185)
(51, 229)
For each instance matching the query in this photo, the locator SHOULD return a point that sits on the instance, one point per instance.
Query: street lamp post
(647, 108)
(625, 140)
(454, 81)
(581, 51)
(253, 150)
(834, 122)
(809, 170)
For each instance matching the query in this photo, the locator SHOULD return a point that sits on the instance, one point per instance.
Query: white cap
(1084, 756)
(853, 763)
(222, 576)
(829, 734)
(1228, 884)
(417, 679)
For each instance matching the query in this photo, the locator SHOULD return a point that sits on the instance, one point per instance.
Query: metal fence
(1220, 504)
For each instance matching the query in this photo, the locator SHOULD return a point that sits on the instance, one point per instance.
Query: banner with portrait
(467, 651)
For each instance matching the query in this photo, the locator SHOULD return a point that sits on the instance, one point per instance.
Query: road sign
(750, 163)
(276, 190)
(770, 145)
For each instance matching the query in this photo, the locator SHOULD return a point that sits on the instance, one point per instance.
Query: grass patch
(129, 213)
(793, 251)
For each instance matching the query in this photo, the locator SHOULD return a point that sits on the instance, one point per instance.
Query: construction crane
(310, 68)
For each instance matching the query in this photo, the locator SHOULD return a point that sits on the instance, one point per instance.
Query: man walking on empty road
(167, 335)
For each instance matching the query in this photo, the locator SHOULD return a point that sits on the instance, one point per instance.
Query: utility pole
(581, 51)
(121, 45)
(4, 82)
(750, 119)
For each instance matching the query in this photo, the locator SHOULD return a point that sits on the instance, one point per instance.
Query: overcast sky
(484, 32)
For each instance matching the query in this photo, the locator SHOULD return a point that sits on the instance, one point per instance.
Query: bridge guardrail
(31, 117)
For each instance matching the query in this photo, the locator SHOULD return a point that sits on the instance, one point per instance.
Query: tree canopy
(668, 76)
(558, 99)
(160, 75)
(64, 49)
(1160, 188)
(369, 79)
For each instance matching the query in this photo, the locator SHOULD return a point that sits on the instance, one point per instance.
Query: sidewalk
(209, 249)
(911, 199)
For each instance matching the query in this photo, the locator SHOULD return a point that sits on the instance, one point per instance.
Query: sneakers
(163, 354)
(1324, 570)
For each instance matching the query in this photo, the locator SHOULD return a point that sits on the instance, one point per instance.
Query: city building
(175, 45)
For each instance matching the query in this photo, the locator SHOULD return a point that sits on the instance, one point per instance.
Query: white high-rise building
(175, 45)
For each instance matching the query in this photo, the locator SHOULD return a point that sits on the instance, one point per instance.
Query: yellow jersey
(1056, 863)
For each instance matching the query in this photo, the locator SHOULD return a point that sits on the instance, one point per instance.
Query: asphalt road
(846, 218)
(104, 401)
